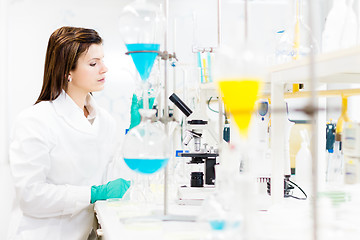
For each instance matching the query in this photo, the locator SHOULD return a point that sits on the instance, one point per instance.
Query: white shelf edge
(337, 66)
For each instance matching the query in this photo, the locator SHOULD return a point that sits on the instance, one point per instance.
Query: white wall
(5, 184)
(3, 78)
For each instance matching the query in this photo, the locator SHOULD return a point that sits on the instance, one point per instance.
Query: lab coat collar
(74, 115)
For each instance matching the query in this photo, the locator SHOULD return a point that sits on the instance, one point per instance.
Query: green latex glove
(134, 110)
(113, 189)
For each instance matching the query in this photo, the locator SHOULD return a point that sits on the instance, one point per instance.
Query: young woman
(61, 148)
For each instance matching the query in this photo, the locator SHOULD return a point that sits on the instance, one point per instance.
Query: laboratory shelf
(320, 93)
(342, 66)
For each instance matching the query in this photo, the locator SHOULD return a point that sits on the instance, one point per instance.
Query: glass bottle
(283, 48)
(340, 30)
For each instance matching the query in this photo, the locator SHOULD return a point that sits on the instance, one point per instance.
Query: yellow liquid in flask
(239, 96)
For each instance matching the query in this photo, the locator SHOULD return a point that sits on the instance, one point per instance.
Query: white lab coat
(56, 155)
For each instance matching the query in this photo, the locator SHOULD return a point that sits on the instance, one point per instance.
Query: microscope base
(194, 195)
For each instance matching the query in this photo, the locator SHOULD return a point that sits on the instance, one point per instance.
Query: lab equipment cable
(226, 129)
(208, 103)
(288, 187)
(299, 198)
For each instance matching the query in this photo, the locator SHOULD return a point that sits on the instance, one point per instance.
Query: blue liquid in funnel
(143, 61)
(146, 166)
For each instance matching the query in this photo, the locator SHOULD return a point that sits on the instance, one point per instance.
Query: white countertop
(339, 210)
(126, 220)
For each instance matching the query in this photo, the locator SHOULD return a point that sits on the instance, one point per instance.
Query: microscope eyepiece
(180, 104)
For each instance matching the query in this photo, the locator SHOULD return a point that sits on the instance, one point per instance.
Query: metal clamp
(167, 56)
(142, 51)
(164, 55)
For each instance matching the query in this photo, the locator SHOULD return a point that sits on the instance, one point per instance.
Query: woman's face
(89, 74)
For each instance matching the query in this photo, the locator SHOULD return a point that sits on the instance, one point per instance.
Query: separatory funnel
(140, 25)
(146, 147)
(239, 96)
(143, 56)
(239, 76)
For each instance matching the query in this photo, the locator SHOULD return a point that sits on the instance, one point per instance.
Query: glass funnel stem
(145, 88)
(146, 98)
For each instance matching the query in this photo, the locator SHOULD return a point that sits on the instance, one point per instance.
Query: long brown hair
(65, 46)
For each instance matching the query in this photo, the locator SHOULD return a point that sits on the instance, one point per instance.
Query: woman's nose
(104, 69)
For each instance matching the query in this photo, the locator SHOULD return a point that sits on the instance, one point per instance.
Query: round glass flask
(146, 146)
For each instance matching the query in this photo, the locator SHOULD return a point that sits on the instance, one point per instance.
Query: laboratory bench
(338, 209)
(125, 220)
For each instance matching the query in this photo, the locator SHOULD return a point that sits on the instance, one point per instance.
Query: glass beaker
(145, 150)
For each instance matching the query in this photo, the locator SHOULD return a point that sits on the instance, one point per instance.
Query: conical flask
(141, 27)
(146, 147)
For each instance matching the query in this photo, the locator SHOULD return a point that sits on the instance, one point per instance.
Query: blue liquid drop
(146, 166)
(143, 61)
(217, 224)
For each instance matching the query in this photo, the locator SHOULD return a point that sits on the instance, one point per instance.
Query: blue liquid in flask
(143, 61)
(146, 166)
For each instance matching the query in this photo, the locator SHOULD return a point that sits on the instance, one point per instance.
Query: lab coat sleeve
(30, 146)
(113, 168)
(116, 167)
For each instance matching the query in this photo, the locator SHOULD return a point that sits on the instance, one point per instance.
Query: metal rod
(219, 22)
(166, 113)
(320, 93)
(142, 51)
(174, 49)
(221, 110)
(221, 125)
(246, 20)
(314, 124)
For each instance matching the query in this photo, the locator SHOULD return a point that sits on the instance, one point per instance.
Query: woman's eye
(92, 64)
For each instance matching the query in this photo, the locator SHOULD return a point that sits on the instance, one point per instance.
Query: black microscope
(199, 155)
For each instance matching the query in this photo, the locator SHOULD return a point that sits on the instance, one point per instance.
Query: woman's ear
(69, 78)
